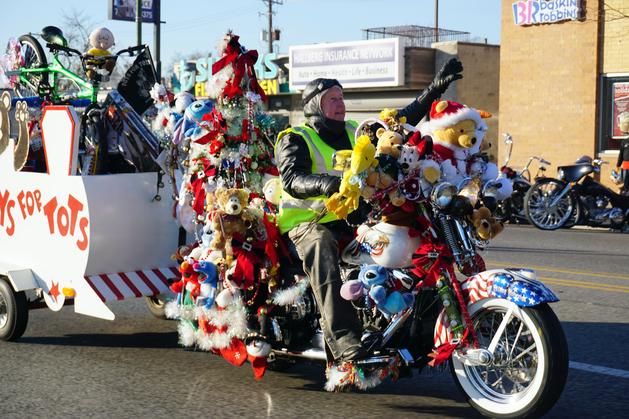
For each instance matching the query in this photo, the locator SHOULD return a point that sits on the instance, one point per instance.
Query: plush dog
(486, 226)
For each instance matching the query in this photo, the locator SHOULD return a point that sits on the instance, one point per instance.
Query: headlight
(469, 188)
(442, 194)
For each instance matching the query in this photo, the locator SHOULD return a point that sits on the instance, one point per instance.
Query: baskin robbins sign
(535, 12)
(373, 63)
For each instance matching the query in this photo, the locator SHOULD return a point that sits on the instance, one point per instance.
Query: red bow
(243, 61)
(429, 260)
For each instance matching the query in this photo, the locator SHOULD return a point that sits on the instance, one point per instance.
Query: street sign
(125, 10)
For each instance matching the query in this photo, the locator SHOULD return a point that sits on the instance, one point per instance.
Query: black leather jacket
(293, 157)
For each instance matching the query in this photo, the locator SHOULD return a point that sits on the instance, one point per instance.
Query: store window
(614, 108)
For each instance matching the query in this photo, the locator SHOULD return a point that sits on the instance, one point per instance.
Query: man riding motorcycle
(304, 155)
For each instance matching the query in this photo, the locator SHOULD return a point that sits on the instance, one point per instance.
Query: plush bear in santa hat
(456, 131)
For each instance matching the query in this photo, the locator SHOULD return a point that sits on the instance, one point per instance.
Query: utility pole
(269, 14)
(436, 20)
(138, 20)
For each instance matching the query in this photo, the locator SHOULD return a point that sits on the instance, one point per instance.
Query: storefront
(564, 78)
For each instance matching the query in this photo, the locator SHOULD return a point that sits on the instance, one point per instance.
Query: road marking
(269, 404)
(568, 271)
(585, 284)
(599, 370)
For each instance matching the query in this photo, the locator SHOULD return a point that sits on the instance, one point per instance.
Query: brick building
(563, 83)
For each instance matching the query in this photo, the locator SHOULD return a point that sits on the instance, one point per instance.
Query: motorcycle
(506, 348)
(574, 195)
(512, 209)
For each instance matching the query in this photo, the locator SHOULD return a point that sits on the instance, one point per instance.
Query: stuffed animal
(189, 282)
(362, 158)
(101, 39)
(208, 284)
(456, 129)
(486, 226)
(388, 150)
(272, 191)
(372, 282)
(232, 217)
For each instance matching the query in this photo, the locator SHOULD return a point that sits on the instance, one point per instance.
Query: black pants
(318, 248)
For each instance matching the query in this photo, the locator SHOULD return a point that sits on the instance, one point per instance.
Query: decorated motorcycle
(242, 293)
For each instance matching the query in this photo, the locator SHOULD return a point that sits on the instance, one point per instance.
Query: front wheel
(545, 207)
(530, 361)
(13, 312)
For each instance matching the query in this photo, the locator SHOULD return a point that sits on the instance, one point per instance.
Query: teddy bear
(388, 150)
(373, 281)
(486, 226)
(457, 131)
(232, 217)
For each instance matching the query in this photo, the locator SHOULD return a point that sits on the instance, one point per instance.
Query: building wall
(548, 87)
(616, 40)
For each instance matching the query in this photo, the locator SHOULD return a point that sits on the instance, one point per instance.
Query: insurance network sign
(373, 63)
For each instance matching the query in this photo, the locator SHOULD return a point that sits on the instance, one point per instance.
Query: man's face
(332, 104)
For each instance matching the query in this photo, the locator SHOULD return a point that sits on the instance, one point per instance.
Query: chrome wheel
(529, 363)
(545, 207)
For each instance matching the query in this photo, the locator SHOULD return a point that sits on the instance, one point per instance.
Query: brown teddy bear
(232, 217)
(388, 150)
(486, 226)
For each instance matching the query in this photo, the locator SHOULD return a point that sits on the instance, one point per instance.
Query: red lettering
(37, 194)
(30, 203)
(82, 244)
(49, 210)
(20, 200)
(10, 230)
(63, 220)
(75, 206)
(4, 199)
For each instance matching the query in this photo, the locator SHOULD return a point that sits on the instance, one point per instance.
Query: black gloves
(448, 73)
(330, 185)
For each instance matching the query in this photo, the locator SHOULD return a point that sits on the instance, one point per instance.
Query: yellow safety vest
(294, 211)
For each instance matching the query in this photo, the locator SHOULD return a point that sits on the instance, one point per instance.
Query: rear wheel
(543, 206)
(157, 307)
(530, 361)
(33, 56)
(13, 312)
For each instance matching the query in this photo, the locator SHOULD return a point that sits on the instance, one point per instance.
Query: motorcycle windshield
(574, 172)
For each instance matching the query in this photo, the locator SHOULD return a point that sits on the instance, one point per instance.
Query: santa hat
(445, 113)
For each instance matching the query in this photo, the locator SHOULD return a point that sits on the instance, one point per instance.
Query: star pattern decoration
(54, 291)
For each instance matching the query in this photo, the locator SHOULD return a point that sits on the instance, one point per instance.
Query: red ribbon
(243, 62)
(428, 267)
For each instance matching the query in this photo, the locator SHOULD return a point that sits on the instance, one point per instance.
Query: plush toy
(272, 191)
(455, 130)
(486, 226)
(372, 282)
(208, 283)
(258, 351)
(388, 150)
(101, 39)
(232, 217)
(362, 158)
(189, 282)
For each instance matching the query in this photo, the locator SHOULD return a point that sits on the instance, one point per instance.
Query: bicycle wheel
(33, 56)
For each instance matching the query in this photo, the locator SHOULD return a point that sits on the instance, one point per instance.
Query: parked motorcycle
(512, 209)
(506, 347)
(551, 203)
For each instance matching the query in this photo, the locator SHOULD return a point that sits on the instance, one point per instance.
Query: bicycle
(39, 82)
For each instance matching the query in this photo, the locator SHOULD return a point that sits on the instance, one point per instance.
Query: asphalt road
(68, 365)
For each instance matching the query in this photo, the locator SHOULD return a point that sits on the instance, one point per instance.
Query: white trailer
(77, 240)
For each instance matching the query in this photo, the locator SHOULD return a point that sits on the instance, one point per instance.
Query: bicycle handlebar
(56, 47)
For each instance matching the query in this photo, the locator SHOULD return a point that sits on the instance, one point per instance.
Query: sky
(197, 25)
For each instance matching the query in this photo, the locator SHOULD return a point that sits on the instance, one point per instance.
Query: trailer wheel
(157, 307)
(13, 312)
